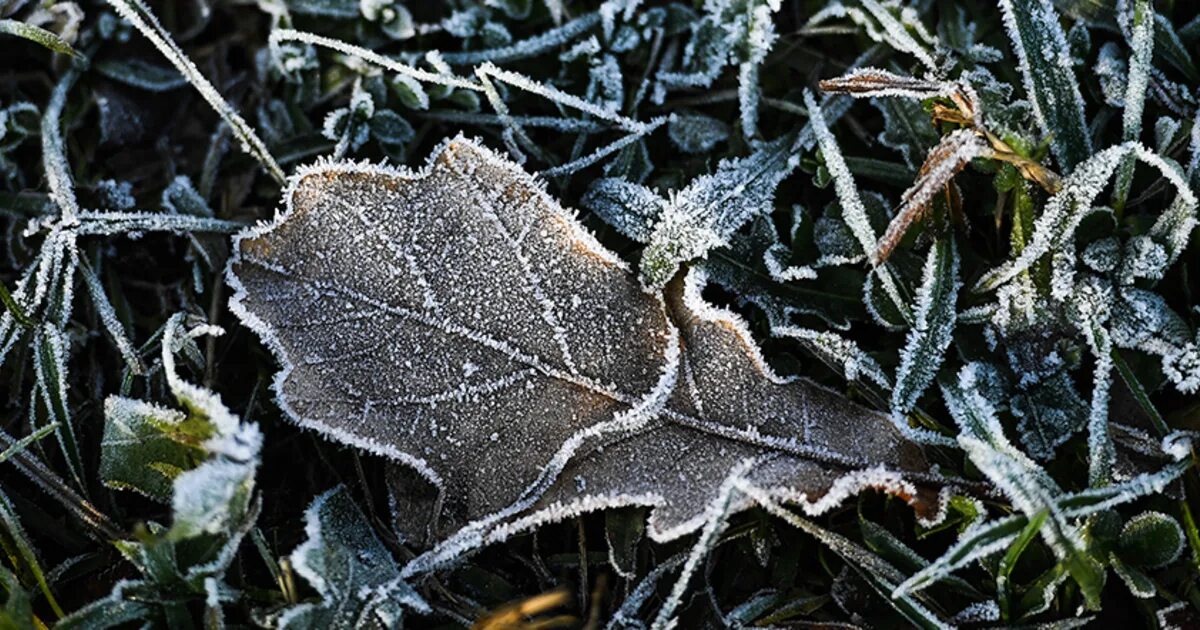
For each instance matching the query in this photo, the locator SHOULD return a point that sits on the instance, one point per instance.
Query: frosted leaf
(838, 352)
(979, 612)
(1112, 72)
(353, 572)
(930, 335)
(835, 243)
(875, 82)
(460, 321)
(760, 36)
(1103, 255)
(208, 459)
(1143, 259)
(696, 133)
(143, 447)
(349, 126)
(1045, 61)
(393, 18)
(705, 214)
(1182, 366)
(1137, 21)
(631, 209)
(1193, 167)
(1166, 131)
(108, 317)
(1101, 451)
(117, 195)
(1050, 412)
(1142, 319)
(716, 520)
(902, 30)
(944, 161)
(854, 213)
(906, 128)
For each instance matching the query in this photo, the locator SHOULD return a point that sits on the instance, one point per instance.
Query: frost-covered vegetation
(870, 312)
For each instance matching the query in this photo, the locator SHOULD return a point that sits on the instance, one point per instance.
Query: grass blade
(1050, 84)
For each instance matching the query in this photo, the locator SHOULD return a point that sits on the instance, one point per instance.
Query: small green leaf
(1015, 550)
(355, 575)
(143, 442)
(1151, 540)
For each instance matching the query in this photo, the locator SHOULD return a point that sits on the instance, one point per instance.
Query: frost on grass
(931, 335)
(460, 321)
(354, 574)
(1045, 61)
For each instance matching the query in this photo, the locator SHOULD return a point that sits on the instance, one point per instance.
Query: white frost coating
(1138, 23)
(138, 14)
(853, 210)
(929, 337)
(706, 213)
(978, 612)
(1139, 19)
(108, 317)
(716, 519)
(951, 155)
(54, 151)
(348, 566)
(881, 26)
(1050, 64)
(486, 72)
(1066, 209)
(100, 223)
(870, 82)
(531, 47)
(839, 351)
(1101, 452)
(760, 38)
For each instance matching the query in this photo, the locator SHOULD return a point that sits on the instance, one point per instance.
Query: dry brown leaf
(460, 321)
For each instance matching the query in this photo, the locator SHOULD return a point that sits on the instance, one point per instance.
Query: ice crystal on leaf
(417, 315)
(691, 222)
(352, 571)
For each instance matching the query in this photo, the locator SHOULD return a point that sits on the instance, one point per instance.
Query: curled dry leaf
(866, 82)
(460, 321)
(944, 161)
